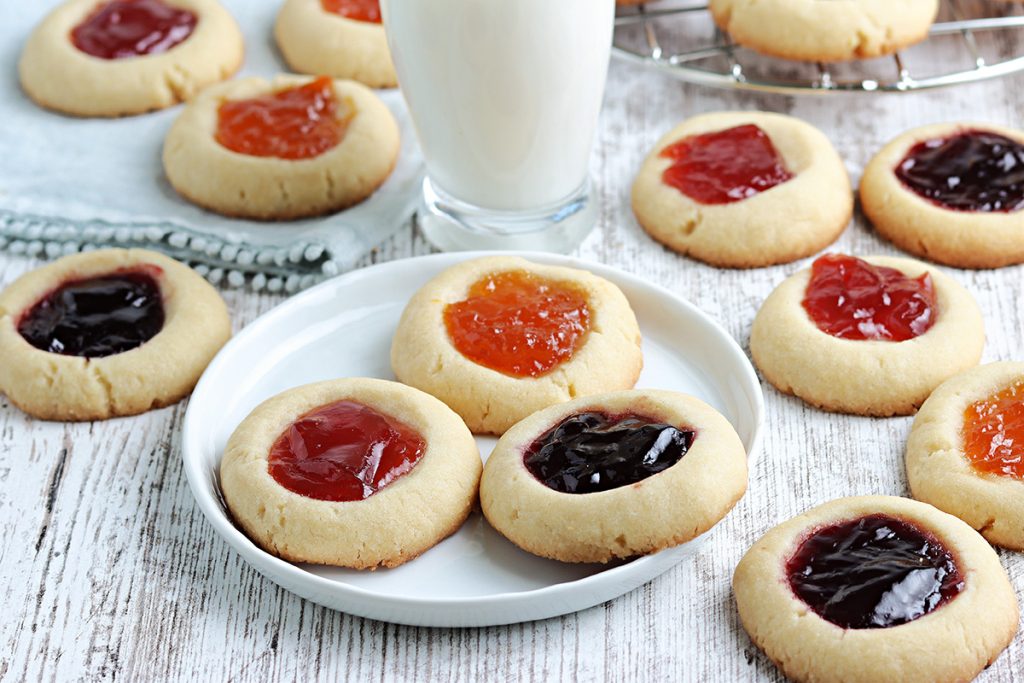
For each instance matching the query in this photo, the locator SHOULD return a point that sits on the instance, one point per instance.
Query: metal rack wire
(988, 41)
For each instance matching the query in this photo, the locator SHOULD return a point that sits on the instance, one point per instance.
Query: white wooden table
(109, 571)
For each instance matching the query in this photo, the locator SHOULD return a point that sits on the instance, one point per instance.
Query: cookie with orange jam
(965, 453)
(340, 38)
(293, 147)
(118, 57)
(870, 336)
(359, 473)
(498, 338)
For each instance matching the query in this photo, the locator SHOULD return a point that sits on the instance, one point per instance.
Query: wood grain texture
(108, 570)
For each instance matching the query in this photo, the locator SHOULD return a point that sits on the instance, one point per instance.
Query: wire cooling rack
(972, 40)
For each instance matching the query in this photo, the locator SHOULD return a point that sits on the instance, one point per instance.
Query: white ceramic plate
(343, 328)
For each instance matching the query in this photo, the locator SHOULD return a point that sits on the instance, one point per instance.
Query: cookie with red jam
(119, 57)
(106, 333)
(950, 193)
(871, 336)
(340, 38)
(500, 337)
(613, 476)
(965, 453)
(743, 190)
(876, 589)
(359, 473)
(289, 148)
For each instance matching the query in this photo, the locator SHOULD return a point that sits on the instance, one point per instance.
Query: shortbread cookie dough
(106, 333)
(874, 589)
(340, 38)
(161, 53)
(613, 476)
(965, 454)
(288, 148)
(951, 193)
(743, 189)
(359, 473)
(890, 331)
(825, 30)
(498, 338)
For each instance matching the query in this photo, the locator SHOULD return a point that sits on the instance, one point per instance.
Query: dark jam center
(343, 451)
(994, 433)
(96, 317)
(360, 10)
(852, 299)
(132, 28)
(295, 123)
(724, 166)
(593, 452)
(970, 171)
(873, 572)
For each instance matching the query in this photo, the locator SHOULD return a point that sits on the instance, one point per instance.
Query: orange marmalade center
(518, 323)
(994, 432)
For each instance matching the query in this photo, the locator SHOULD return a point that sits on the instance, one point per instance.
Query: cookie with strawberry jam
(876, 589)
(292, 147)
(359, 473)
(965, 453)
(118, 57)
(340, 38)
(500, 337)
(951, 193)
(613, 476)
(871, 336)
(743, 189)
(107, 333)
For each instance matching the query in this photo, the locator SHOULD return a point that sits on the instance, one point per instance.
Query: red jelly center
(296, 123)
(343, 451)
(970, 171)
(994, 433)
(360, 10)
(133, 28)
(724, 166)
(873, 572)
(96, 317)
(852, 299)
(519, 324)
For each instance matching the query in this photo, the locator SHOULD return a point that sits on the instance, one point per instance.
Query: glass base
(451, 225)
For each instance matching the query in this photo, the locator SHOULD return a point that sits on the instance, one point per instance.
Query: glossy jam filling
(296, 123)
(360, 10)
(873, 572)
(994, 433)
(132, 28)
(724, 166)
(593, 452)
(852, 299)
(96, 317)
(970, 171)
(519, 324)
(343, 451)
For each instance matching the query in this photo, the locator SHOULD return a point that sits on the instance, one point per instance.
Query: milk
(504, 94)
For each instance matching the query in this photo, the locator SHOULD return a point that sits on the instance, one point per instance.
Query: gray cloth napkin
(69, 184)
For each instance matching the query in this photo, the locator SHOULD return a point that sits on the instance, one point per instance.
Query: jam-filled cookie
(870, 336)
(106, 333)
(358, 473)
(965, 454)
(831, 31)
(118, 57)
(876, 589)
(500, 337)
(293, 147)
(951, 193)
(743, 189)
(613, 476)
(340, 38)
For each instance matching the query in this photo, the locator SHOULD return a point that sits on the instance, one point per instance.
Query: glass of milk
(504, 96)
